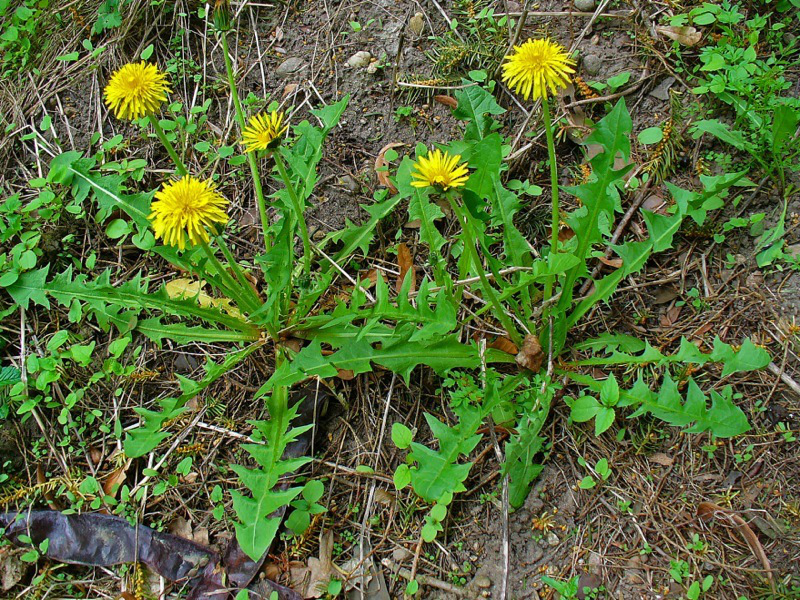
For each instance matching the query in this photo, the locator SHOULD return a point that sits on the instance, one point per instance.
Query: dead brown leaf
(311, 580)
(345, 374)
(686, 35)
(611, 262)
(406, 262)
(664, 294)
(114, 479)
(661, 459)
(12, 567)
(504, 344)
(708, 511)
(446, 100)
(182, 528)
(531, 355)
(288, 90)
(671, 317)
(381, 164)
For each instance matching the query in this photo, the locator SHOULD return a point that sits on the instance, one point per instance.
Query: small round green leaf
(651, 135)
(313, 491)
(118, 228)
(402, 477)
(401, 436)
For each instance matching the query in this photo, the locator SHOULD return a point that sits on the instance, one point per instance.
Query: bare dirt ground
(623, 537)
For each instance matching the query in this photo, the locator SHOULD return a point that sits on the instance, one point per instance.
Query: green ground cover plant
(536, 297)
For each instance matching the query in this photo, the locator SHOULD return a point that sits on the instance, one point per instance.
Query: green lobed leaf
(474, 104)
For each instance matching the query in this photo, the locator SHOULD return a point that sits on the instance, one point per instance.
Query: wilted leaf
(406, 263)
(184, 288)
(708, 511)
(504, 344)
(686, 35)
(661, 459)
(311, 581)
(446, 100)
(530, 355)
(381, 167)
(12, 568)
(112, 482)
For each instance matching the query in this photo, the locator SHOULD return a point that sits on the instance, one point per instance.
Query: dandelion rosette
(187, 208)
(439, 169)
(537, 67)
(136, 90)
(264, 131)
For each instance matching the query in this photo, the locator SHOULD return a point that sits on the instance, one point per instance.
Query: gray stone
(359, 59)
(661, 91)
(552, 539)
(592, 64)
(584, 5)
(290, 66)
(390, 37)
(350, 183)
(482, 581)
(400, 555)
(416, 24)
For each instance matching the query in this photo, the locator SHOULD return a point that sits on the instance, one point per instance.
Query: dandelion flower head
(537, 67)
(186, 208)
(136, 90)
(264, 131)
(439, 169)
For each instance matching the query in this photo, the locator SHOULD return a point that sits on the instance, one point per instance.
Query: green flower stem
(237, 271)
(233, 288)
(298, 209)
(469, 238)
(551, 153)
(251, 159)
(182, 170)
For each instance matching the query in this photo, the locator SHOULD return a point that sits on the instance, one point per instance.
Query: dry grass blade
(708, 511)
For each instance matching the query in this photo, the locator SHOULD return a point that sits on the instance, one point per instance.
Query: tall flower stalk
(298, 209)
(251, 159)
(534, 70)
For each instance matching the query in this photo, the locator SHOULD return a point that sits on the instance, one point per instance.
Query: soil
(621, 536)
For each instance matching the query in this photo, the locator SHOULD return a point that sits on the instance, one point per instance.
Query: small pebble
(584, 5)
(400, 555)
(482, 581)
(349, 182)
(290, 66)
(592, 64)
(416, 24)
(359, 59)
(552, 539)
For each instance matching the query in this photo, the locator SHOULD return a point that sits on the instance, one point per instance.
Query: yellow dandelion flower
(186, 208)
(441, 170)
(536, 67)
(136, 90)
(264, 132)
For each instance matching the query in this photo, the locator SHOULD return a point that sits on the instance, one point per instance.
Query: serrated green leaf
(474, 104)
(30, 287)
